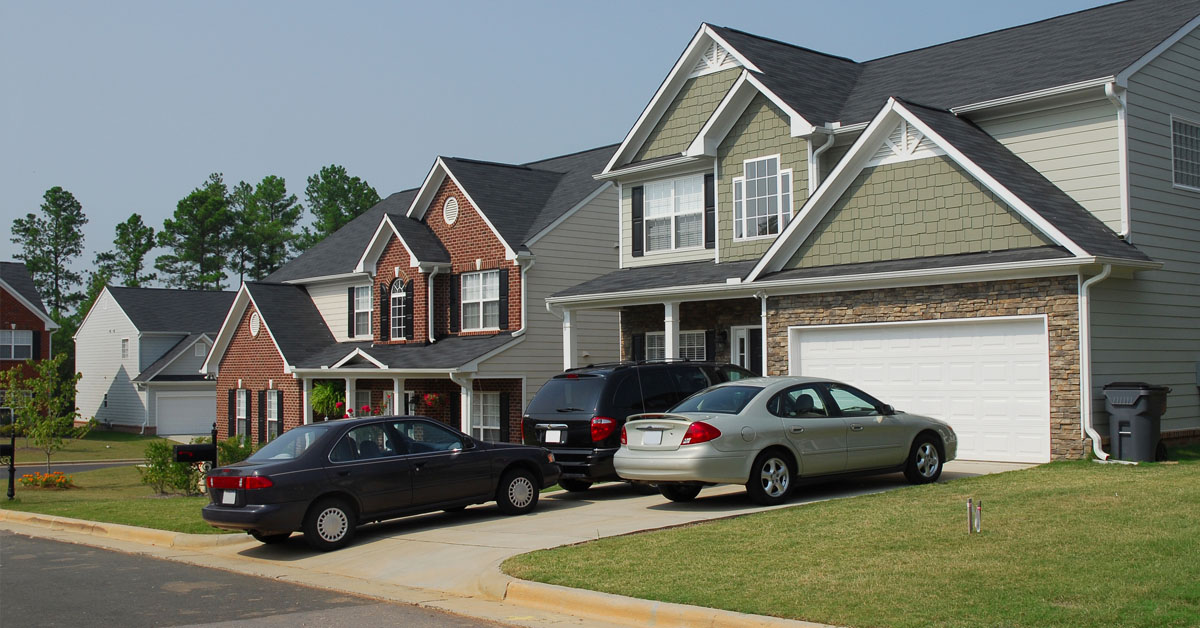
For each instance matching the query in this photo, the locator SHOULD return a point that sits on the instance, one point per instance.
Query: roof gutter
(655, 165)
(1085, 359)
(1034, 95)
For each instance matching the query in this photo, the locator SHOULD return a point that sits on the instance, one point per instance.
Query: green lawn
(97, 445)
(114, 495)
(1063, 544)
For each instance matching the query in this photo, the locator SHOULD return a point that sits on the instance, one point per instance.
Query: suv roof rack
(602, 365)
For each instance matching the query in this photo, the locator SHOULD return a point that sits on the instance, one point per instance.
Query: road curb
(634, 611)
(146, 536)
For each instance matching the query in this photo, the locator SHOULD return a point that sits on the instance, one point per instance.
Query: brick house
(968, 230)
(25, 325)
(432, 302)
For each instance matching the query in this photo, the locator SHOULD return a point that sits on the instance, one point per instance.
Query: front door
(746, 349)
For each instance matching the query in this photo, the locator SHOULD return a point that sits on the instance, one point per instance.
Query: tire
(575, 486)
(517, 493)
(643, 488)
(271, 539)
(924, 460)
(679, 492)
(770, 481)
(329, 525)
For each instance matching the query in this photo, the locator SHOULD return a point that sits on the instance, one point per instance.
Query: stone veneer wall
(1055, 297)
(693, 315)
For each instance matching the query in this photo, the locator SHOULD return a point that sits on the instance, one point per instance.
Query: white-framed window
(243, 413)
(272, 414)
(16, 344)
(397, 309)
(691, 345)
(481, 300)
(485, 416)
(201, 350)
(673, 213)
(362, 311)
(124, 348)
(762, 199)
(362, 398)
(1185, 151)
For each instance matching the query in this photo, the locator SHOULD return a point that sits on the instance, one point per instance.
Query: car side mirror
(886, 410)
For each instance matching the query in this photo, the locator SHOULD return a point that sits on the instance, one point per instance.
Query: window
(1185, 145)
(425, 437)
(272, 414)
(362, 399)
(802, 402)
(243, 413)
(485, 416)
(481, 300)
(397, 303)
(201, 349)
(853, 402)
(674, 213)
(691, 345)
(762, 199)
(124, 348)
(16, 344)
(362, 311)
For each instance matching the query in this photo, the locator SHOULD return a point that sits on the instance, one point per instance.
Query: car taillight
(624, 437)
(229, 482)
(700, 432)
(602, 428)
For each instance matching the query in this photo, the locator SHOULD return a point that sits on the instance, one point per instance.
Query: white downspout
(1110, 90)
(762, 320)
(814, 163)
(1085, 359)
(429, 303)
(524, 297)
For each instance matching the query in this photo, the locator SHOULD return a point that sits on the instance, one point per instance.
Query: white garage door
(988, 378)
(185, 413)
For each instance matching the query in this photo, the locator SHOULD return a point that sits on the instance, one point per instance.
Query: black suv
(578, 415)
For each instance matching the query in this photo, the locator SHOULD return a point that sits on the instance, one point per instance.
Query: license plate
(652, 438)
(229, 497)
(554, 436)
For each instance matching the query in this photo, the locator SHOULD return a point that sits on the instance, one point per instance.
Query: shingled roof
(169, 310)
(17, 277)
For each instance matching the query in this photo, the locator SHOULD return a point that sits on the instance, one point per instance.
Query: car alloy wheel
(770, 481)
(924, 461)
(775, 477)
(927, 460)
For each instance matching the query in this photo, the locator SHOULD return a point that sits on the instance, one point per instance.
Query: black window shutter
(37, 345)
(232, 428)
(279, 412)
(409, 304)
(710, 345)
(710, 213)
(503, 298)
(385, 307)
(505, 398)
(638, 348)
(455, 299)
(638, 226)
(350, 312)
(262, 416)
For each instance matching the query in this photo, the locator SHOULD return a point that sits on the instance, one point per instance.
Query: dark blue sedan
(327, 478)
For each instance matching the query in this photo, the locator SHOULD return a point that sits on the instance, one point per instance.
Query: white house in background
(140, 350)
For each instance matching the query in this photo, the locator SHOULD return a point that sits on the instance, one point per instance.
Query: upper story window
(362, 311)
(481, 300)
(16, 344)
(124, 348)
(397, 302)
(762, 199)
(674, 213)
(201, 349)
(1185, 148)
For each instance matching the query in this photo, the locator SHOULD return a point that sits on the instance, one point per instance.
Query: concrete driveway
(460, 553)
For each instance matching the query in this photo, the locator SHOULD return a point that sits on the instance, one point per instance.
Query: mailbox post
(10, 450)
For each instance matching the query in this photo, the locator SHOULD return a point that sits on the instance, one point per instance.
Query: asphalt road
(48, 583)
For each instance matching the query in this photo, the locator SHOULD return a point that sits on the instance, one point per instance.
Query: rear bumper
(265, 518)
(551, 472)
(585, 464)
(692, 464)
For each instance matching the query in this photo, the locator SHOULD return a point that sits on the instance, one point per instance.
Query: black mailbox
(6, 450)
(196, 453)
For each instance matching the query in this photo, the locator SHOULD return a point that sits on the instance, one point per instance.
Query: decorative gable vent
(714, 59)
(904, 143)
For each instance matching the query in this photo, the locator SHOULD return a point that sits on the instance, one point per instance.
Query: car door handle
(856, 427)
(796, 429)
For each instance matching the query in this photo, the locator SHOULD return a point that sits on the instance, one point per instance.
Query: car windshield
(721, 400)
(290, 444)
(567, 394)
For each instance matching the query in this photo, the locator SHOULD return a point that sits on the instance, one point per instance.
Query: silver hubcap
(775, 477)
(520, 491)
(927, 460)
(332, 524)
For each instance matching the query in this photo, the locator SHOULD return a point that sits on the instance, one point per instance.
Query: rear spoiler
(659, 415)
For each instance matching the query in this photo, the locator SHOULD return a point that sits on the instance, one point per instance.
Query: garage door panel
(989, 378)
(178, 413)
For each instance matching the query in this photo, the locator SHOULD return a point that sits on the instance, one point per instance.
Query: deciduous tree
(334, 198)
(43, 404)
(197, 238)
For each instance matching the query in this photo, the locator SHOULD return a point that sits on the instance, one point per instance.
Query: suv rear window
(568, 394)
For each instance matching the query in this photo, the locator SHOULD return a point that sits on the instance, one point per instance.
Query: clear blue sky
(130, 105)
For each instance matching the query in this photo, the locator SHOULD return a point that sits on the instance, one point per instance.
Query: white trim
(87, 316)
(621, 224)
(663, 164)
(420, 204)
(1122, 77)
(731, 108)
(473, 365)
(571, 212)
(376, 246)
(359, 353)
(370, 288)
(1117, 98)
(49, 322)
(326, 278)
(1171, 132)
(1034, 95)
(799, 125)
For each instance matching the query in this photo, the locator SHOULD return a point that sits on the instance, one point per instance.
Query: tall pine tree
(264, 227)
(334, 198)
(197, 238)
(49, 243)
(124, 264)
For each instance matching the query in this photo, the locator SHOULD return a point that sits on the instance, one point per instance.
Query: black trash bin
(1135, 412)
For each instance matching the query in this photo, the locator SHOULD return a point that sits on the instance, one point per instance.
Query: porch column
(349, 393)
(464, 381)
(398, 396)
(306, 401)
(569, 347)
(670, 330)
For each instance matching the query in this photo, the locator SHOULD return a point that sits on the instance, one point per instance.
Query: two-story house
(432, 302)
(139, 351)
(968, 230)
(25, 325)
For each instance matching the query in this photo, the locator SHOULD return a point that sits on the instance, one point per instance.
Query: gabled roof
(15, 278)
(169, 310)
(1038, 201)
(419, 238)
(292, 318)
(446, 354)
(151, 372)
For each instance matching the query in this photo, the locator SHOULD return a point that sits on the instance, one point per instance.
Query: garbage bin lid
(1133, 386)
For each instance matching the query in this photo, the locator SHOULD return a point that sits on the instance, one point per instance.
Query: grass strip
(96, 445)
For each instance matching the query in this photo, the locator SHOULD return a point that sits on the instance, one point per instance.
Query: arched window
(398, 302)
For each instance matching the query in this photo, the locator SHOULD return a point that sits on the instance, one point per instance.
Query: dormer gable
(432, 189)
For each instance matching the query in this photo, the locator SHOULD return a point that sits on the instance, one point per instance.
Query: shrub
(165, 475)
(233, 450)
(47, 480)
(328, 399)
